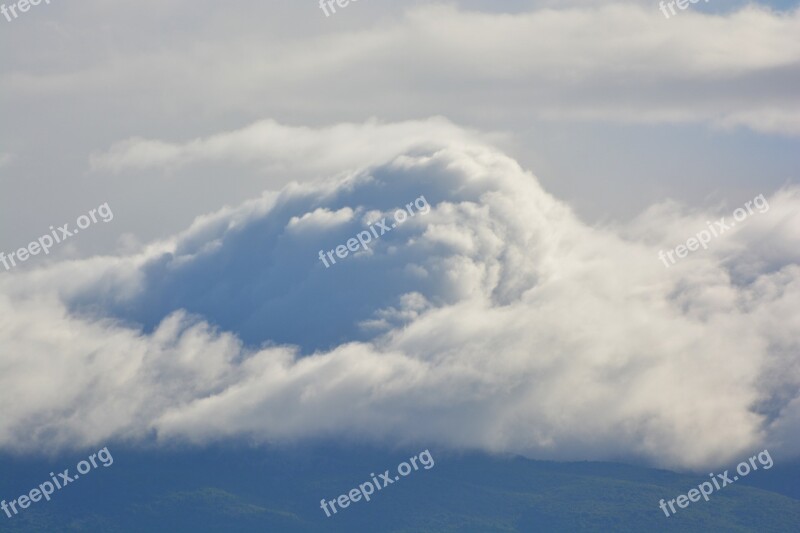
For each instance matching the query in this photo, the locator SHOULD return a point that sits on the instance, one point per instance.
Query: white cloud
(497, 321)
(278, 146)
(320, 218)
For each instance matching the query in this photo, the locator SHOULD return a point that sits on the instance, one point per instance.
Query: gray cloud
(617, 62)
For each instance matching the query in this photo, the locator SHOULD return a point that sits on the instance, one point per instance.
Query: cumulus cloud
(497, 321)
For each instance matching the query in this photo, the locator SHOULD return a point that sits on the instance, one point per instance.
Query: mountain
(279, 490)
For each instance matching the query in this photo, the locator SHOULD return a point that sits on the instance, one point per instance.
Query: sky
(559, 147)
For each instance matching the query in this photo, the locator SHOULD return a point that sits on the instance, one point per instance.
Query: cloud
(620, 62)
(497, 321)
(281, 147)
